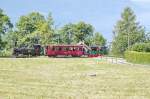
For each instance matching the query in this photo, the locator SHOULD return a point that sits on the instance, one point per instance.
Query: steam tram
(61, 50)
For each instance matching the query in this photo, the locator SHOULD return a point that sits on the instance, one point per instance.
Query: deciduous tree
(127, 32)
(35, 28)
(99, 39)
(5, 26)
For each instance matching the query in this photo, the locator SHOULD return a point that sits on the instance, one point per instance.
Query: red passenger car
(65, 50)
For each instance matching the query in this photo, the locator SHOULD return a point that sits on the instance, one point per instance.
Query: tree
(5, 26)
(99, 39)
(147, 36)
(50, 20)
(67, 33)
(127, 32)
(74, 33)
(83, 32)
(11, 38)
(46, 34)
(34, 28)
(47, 30)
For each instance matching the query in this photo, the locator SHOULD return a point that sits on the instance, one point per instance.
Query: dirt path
(115, 60)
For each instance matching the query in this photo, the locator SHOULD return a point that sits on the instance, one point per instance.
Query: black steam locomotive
(35, 50)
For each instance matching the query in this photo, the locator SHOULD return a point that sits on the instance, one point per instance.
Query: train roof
(72, 45)
(67, 45)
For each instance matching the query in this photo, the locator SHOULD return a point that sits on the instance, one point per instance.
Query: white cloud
(141, 1)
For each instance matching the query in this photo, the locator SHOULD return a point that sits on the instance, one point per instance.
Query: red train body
(65, 50)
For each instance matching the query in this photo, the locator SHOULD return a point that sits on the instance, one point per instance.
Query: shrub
(5, 53)
(138, 57)
(141, 47)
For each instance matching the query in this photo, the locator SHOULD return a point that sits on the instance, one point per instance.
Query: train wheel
(49, 56)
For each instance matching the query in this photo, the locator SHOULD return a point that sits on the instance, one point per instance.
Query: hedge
(137, 57)
(140, 47)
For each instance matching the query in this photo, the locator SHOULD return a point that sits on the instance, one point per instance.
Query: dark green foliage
(137, 57)
(2, 44)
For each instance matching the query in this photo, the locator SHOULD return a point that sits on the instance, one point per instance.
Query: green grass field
(70, 78)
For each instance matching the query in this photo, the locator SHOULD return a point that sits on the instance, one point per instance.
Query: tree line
(35, 28)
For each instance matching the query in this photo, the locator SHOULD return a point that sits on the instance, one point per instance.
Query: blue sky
(102, 14)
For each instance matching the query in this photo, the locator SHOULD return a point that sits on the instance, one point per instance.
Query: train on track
(60, 50)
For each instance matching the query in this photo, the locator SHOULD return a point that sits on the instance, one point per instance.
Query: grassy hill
(72, 78)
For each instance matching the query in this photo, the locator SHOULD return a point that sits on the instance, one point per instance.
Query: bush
(141, 47)
(137, 57)
(5, 53)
